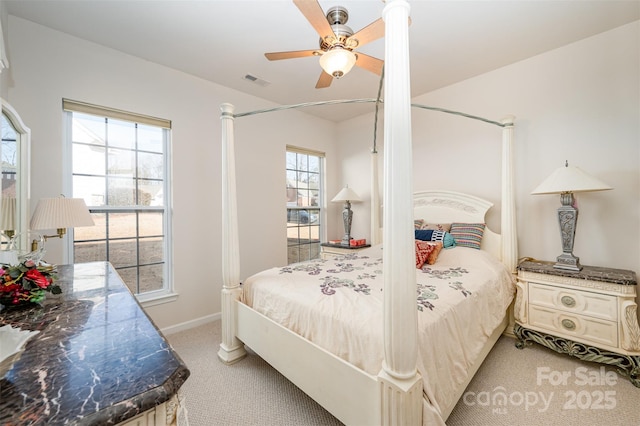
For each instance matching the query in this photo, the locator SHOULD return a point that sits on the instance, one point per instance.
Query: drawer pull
(568, 324)
(568, 301)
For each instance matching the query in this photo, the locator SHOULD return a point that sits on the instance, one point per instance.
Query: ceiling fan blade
(312, 10)
(324, 80)
(369, 63)
(371, 32)
(275, 56)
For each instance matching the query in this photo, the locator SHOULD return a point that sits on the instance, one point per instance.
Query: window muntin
(120, 168)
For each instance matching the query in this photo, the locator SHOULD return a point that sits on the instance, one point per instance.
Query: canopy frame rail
(506, 124)
(365, 100)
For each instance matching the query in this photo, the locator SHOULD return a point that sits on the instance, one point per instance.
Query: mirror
(14, 165)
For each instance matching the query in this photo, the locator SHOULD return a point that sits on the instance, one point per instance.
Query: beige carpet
(250, 392)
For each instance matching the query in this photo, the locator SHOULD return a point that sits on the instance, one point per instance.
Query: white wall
(47, 66)
(3, 21)
(579, 103)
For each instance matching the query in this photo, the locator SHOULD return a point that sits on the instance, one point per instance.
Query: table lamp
(59, 214)
(8, 216)
(347, 195)
(565, 181)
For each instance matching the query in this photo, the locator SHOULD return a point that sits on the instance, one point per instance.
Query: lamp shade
(56, 213)
(337, 61)
(570, 179)
(8, 214)
(346, 194)
(8, 257)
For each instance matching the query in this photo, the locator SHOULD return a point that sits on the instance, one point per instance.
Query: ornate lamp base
(567, 218)
(568, 262)
(347, 217)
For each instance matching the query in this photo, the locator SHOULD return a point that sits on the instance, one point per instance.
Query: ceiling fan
(337, 42)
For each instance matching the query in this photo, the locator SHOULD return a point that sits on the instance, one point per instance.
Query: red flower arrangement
(26, 282)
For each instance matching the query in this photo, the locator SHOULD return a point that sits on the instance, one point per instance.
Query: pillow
(423, 251)
(423, 234)
(431, 235)
(467, 234)
(422, 224)
(437, 226)
(433, 256)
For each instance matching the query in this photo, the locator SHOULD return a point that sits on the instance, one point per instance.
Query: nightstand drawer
(578, 302)
(579, 327)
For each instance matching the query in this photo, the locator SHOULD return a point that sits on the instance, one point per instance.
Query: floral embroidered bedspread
(337, 304)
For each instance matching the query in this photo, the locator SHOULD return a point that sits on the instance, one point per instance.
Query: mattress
(337, 304)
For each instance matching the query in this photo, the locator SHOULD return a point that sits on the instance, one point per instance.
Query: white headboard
(449, 206)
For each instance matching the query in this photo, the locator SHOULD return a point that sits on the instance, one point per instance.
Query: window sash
(303, 230)
(139, 235)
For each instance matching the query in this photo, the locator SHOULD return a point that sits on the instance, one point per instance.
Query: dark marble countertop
(596, 273)
(98, 359)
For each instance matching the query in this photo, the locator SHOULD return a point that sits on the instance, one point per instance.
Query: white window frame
(167, 293)
(321, 191)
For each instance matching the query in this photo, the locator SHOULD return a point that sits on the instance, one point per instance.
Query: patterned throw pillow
(467, 234)
(431, 235)
(423, 251)
(431, 259)
(422, 224)
(444, 227)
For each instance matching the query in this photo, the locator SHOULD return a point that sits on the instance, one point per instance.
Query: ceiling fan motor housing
(337, 17)
(342, 33)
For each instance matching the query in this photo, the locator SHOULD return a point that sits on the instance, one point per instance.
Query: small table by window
(328, 250)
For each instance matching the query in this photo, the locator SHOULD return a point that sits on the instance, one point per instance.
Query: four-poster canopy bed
(402, 364)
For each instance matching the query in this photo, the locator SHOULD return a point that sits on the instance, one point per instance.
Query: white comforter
(337, 304)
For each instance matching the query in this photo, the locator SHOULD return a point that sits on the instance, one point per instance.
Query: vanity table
(97, 360)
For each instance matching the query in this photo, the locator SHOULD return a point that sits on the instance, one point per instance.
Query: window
(8, 168)
(120, 167)
(9, 158)
(304, 201)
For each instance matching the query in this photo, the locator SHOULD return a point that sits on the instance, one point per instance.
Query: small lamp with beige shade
(8, 220)
(348, 196)
(60, 213)
(565, 181)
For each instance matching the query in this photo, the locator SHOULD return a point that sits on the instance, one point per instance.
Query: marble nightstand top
(98, 358)
(594, 273)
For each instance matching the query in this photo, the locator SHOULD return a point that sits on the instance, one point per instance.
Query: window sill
(156, 298)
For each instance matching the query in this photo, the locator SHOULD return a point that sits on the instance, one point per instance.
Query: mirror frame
(23, 189)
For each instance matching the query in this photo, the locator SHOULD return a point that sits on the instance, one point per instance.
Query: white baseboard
(191, 324)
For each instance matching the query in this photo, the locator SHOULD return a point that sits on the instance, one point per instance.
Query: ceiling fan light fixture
(338, 61)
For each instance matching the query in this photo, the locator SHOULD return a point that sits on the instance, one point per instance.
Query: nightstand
(328, 251)
(590, 314)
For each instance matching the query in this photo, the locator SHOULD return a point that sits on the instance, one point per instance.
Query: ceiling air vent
(256, 80)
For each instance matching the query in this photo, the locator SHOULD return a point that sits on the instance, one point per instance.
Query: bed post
(231, 349)
(508, 217)
(401, 384)
(375, 200)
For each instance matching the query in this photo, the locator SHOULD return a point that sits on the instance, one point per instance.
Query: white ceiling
(223, 40)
